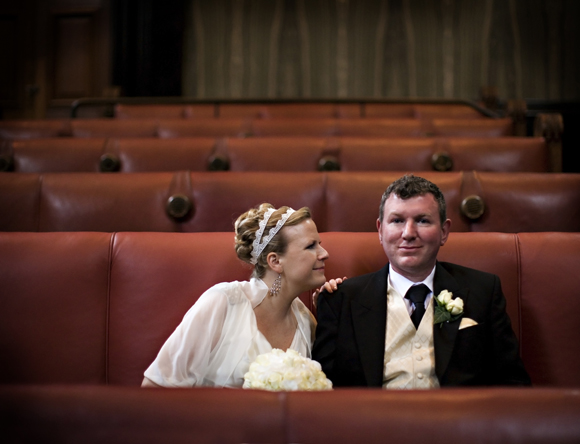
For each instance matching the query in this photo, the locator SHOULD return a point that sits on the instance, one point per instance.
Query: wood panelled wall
(51, 52)
(382, 48)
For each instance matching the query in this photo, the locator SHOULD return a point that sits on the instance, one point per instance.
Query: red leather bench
(311, 110)
(507, 154)
(289, 110)
(55, 155)
(83, 314)
(32, 414)
(211, 201)
(530, 203)
(204, 128)
(114, 127)
(162, 111)
(421, 111)
(94, 308)
(275, 153)
(472, 127)
(31, 129)
(150, 154)
(249, 127)
(338, 127)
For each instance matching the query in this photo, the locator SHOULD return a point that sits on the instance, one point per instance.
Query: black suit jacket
(350, 336)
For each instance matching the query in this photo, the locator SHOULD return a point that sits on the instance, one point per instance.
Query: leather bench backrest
(340, 201)
(155, 279)
(472, 127)
(150, 154)
(275, 154)
(381, 154)
(34, 129)
(246, 127)
(170, 128)
(446, 111)
(159, 111)
(508, 154)
(20, 199)
(422, 111)
(499, 154)
(114, 127)
(380, 128)
(533, 202)
(55, 306)
(94, 308)
(499, 415)
(549, 288)
(112, 202)
(297, 110)
(353, 199)
(289, 110)
(285, 127)
(220, 197)
(57, 155)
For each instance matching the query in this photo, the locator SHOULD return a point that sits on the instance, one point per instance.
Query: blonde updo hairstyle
(248, 224)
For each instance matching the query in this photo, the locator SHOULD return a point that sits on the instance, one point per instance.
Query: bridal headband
(259, 243)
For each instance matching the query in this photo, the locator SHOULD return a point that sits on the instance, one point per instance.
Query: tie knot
(417, 293)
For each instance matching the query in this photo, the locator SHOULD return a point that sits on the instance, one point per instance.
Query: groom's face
(411, 234)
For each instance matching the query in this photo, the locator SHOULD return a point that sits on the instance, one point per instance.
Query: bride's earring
(276, 286)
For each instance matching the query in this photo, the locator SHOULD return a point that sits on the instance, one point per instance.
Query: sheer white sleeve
(184, 359)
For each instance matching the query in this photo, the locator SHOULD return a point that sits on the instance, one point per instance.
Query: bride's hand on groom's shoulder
(330, 286)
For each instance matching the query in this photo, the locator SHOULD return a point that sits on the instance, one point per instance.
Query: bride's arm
(185, 356)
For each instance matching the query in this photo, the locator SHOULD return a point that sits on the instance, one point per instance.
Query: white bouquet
(288, 371)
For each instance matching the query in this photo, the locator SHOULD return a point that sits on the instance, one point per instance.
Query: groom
(383, 329)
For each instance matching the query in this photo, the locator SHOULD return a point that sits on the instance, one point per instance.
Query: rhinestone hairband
(259, 243)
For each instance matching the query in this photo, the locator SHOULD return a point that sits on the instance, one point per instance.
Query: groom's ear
(445, 230)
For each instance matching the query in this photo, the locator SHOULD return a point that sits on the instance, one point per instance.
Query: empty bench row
(507, 154)
(340, 201)
(239, 127)
(298, 110)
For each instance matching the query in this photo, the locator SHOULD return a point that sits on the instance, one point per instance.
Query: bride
(234, 322)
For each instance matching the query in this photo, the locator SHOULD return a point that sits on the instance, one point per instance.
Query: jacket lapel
(444, 334)
(369, 317)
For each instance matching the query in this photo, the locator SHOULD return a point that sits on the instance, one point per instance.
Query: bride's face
(303, 262)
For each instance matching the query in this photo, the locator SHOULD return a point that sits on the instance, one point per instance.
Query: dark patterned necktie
(417, 294)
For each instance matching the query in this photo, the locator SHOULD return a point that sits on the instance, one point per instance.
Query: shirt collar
(402, 284)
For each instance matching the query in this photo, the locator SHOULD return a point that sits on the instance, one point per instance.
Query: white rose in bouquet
(285, 371)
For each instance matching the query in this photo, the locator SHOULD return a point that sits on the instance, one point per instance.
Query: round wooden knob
(6, 162)
(442, 161)
(179, 206)
(472, 207)
(218, 163)
(109, 163)
(329, 163)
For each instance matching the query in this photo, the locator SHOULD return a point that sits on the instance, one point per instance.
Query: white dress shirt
(402, 285)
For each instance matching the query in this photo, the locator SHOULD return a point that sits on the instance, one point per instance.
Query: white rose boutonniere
(285, 371)
(447, 308)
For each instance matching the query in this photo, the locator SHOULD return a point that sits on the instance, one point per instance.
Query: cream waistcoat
(409, 353)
